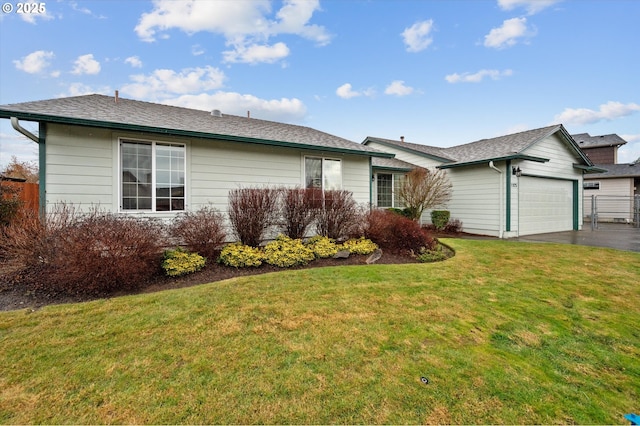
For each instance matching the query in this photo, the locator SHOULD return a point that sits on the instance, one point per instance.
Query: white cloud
(346, 92)
(80, 89)
(508, 34)
(609, 111)
(35, 62)
(134, 61)
(33, 10)
(85, 64)
(398, 88)
(532, 6)
(254, 54)
(246, 24)
(282, 110)
(417, 37)
(629, 152)
(15, 144)
(164, 83)
(197, 50)
(478, 76)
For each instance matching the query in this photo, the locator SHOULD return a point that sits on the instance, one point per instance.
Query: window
(388, 190)
(153, 176)
(590, 185)
(322, 173)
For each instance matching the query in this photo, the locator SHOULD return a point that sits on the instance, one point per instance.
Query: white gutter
(16, 125)
(501, 197)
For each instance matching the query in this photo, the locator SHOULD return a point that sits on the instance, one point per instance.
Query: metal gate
(614, 209)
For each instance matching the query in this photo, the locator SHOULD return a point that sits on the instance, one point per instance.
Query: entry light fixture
(516, 171)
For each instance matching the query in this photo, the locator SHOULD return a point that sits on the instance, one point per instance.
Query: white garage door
(546, 205)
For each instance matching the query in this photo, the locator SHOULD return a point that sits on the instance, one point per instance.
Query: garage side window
(153, 176)
(322, 173)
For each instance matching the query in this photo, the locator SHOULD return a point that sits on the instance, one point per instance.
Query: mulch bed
(13, 296)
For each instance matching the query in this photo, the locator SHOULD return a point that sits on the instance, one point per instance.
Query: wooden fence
(28, 192)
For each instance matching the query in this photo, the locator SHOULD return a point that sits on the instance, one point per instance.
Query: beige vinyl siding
(79, 168)
(476, 198)
(615, 202)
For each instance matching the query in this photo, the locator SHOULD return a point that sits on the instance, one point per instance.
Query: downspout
(501, 201)
(16, 125)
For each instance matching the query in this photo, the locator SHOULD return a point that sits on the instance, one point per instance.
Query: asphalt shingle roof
(585, 140)
(104, 111)
(391, 163)
(616, 171)
(432, 151)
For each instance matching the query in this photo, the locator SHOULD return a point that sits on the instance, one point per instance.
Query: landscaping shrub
(84, 253)
(285, 252)
(338, 216)
(453, 227)
(359, 246)
(10, 204)
(240, 255)
(180, 262)
(322, 247)
(298, 210)
(251, 212)
(396, 233)
(440, 218)
(432, 255)
(201, 231)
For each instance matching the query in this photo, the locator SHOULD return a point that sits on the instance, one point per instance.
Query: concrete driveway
(612, 235)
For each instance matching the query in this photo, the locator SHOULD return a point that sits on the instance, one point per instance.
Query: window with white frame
(322, 173)
(153, 176)
(388, 190)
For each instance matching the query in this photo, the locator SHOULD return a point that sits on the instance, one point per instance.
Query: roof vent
(216, 113)
(401, 138)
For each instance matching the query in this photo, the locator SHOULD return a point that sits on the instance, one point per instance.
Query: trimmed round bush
(239, 255)
(179, 262)
(322, 247)
(360, 246)
(285, 252)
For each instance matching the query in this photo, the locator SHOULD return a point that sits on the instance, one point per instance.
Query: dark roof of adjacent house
(617, 171)
(508, 147)
(126, 114)
(585, 140)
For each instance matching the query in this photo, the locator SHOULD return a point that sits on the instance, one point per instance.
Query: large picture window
(323, 173)
(153, 176)
(388, 190)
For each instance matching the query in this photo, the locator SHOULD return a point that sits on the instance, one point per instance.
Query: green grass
(506, 332)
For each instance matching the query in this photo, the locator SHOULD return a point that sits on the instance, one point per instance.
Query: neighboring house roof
(508, 147)
(391, 164)
(125, 114)
(11, 178)
(585, 140)
(617, 171)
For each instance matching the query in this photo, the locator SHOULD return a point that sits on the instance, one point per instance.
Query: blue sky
(438, 73)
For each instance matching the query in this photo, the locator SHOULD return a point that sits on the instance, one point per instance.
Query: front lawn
(505, 332)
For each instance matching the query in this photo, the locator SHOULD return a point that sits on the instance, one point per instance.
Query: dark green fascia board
(391, 169)
(590, 169)
(412, 151)
(486, 160)
(41, 118)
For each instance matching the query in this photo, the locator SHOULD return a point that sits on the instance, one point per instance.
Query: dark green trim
(42, 168)
(590, 169)
(392, 169)
(370, 181)
(576, 205)
(184, 133)
(508, 197)
(486, 160)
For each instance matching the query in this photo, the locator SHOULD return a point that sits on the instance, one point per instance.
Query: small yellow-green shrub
(180, 262)
(285, 252)
(360, 246)
(322, 247)
(239, 255)
(435, 255)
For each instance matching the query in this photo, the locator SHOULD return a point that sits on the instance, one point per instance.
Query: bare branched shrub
(298, 210)
(10, 203)
(201, 231)
(395, 233)
(251, 212)
(84, 253)
(338, 216)
(424, 189)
